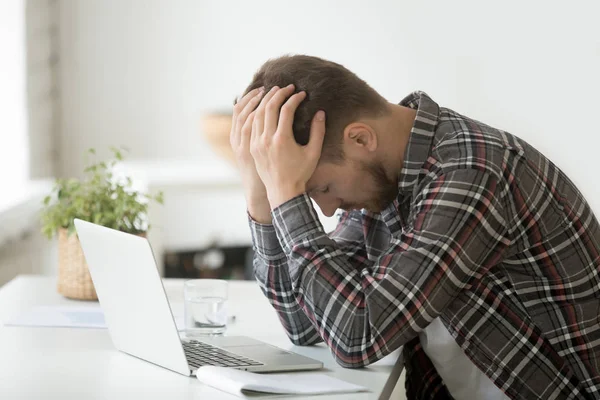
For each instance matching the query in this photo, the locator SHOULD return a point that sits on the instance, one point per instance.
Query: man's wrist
(284, 193)
(259, 208)
(256, 198)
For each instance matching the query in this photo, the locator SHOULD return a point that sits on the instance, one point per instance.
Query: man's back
(549, 274)
(547, 280)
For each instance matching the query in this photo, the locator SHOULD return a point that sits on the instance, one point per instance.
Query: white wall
(140, 73)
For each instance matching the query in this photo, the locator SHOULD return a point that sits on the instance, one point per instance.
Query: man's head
(350, 173)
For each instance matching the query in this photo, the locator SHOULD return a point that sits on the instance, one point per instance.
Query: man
(458, 241)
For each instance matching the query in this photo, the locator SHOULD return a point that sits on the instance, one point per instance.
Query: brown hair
(329, 86)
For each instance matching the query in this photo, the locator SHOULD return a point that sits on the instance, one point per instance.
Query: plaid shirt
(486, 233)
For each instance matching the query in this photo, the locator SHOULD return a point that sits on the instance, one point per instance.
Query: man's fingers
(249, 108)
(241, 103)
(246, 130)
(239, 108)
(286, 115)
(273, 106)
(259, 118)
(317, 133)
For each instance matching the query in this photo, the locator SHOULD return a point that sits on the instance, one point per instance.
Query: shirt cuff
(296, 220)
(264, 240)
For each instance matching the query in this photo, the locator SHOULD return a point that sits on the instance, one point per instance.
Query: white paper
(67, 317)
(72, 317)
(238, 382)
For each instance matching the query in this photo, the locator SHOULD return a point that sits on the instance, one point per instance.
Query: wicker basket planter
(74, 280)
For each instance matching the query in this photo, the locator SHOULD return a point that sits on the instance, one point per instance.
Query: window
(14, 163)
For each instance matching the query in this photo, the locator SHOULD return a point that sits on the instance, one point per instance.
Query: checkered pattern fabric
(486, 233)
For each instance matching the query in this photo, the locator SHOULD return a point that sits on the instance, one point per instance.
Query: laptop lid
(132, 295)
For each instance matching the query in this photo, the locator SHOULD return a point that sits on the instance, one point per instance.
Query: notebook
(243, 383)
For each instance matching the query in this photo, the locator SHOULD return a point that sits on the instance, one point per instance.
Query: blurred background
(159, 78)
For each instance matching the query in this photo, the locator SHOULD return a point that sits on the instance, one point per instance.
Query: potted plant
(102, 198)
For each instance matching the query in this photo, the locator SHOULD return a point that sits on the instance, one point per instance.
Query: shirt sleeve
(365, 309)
(271, 271)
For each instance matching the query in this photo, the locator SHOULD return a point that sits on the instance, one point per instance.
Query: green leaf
(96, 198)
(160, 198)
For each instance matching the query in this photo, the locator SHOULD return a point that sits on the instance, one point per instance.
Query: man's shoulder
(461, 142)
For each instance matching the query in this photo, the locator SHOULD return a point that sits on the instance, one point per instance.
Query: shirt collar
(421, 138)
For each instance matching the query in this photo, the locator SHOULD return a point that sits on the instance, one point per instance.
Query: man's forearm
(271, 271)
(274, 281)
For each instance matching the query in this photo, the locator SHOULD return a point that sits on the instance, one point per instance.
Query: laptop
(139, 318)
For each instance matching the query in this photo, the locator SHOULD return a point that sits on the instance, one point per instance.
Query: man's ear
(359, 136)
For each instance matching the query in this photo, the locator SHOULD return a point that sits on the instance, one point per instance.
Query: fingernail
(291, 85)
(321, 115)
(274, 88)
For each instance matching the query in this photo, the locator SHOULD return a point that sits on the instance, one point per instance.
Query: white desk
(65, 363)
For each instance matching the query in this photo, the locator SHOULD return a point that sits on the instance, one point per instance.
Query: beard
(386, 188)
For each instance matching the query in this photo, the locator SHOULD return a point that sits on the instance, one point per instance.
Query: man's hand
(283, 165)
(241, 130)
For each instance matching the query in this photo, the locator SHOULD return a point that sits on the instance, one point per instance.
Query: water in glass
(205, 315)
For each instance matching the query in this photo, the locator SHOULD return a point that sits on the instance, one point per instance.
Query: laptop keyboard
(199, 354)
